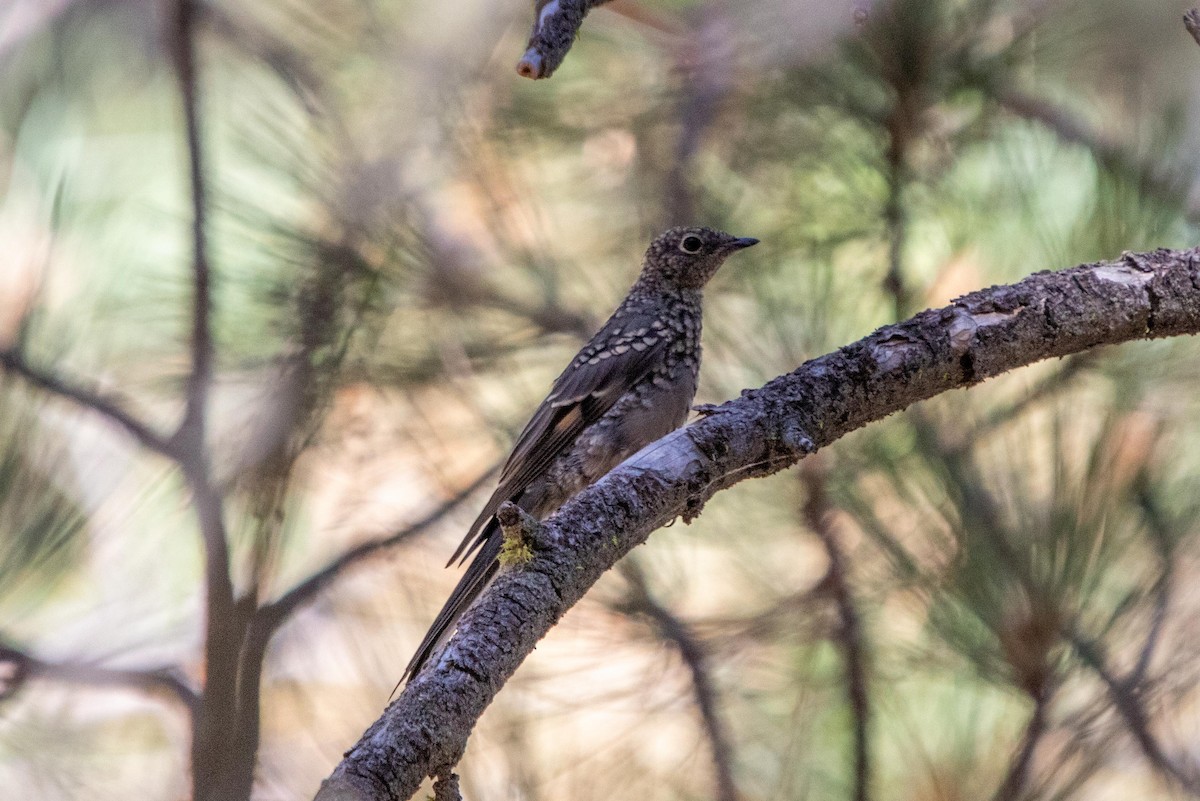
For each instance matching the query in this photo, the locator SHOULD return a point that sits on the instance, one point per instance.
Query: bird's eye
(691, 244)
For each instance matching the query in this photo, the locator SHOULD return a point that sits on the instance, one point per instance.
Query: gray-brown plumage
(631, 384)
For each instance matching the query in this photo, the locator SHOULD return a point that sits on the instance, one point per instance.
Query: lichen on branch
(520, 532)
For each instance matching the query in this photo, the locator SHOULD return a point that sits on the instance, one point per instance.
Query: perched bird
(631, 384)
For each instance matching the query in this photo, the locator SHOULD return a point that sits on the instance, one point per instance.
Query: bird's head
(685, 258)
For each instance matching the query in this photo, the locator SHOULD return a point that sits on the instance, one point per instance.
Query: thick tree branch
(554, 30)
(986, 333)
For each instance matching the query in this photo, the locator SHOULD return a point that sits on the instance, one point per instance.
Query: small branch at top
(554, 31)
(520, 531)
(1191, 21)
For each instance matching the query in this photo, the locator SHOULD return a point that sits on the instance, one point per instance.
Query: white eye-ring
(691, 244)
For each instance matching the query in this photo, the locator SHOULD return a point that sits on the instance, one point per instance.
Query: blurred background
(991, 595)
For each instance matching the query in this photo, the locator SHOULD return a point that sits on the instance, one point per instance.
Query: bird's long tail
(480, 572)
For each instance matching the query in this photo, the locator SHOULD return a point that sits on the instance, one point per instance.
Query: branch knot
(522, 533)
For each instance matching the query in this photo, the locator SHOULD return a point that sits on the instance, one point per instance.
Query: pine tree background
(408, 242)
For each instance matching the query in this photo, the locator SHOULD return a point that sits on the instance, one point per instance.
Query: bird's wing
(624, 351)
(616, 359)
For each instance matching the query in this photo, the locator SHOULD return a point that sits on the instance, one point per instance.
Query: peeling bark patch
(961, 329)
(892, 352)
(1119, 273)
(995, 318)
(672, 454)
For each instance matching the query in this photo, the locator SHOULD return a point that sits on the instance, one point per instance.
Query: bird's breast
(652, 408)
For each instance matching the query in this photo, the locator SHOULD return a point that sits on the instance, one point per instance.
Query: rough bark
(425, 730)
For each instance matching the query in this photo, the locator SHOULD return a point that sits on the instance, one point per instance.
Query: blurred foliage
(409, 242)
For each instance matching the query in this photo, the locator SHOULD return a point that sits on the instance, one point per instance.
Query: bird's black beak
(744, 242)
